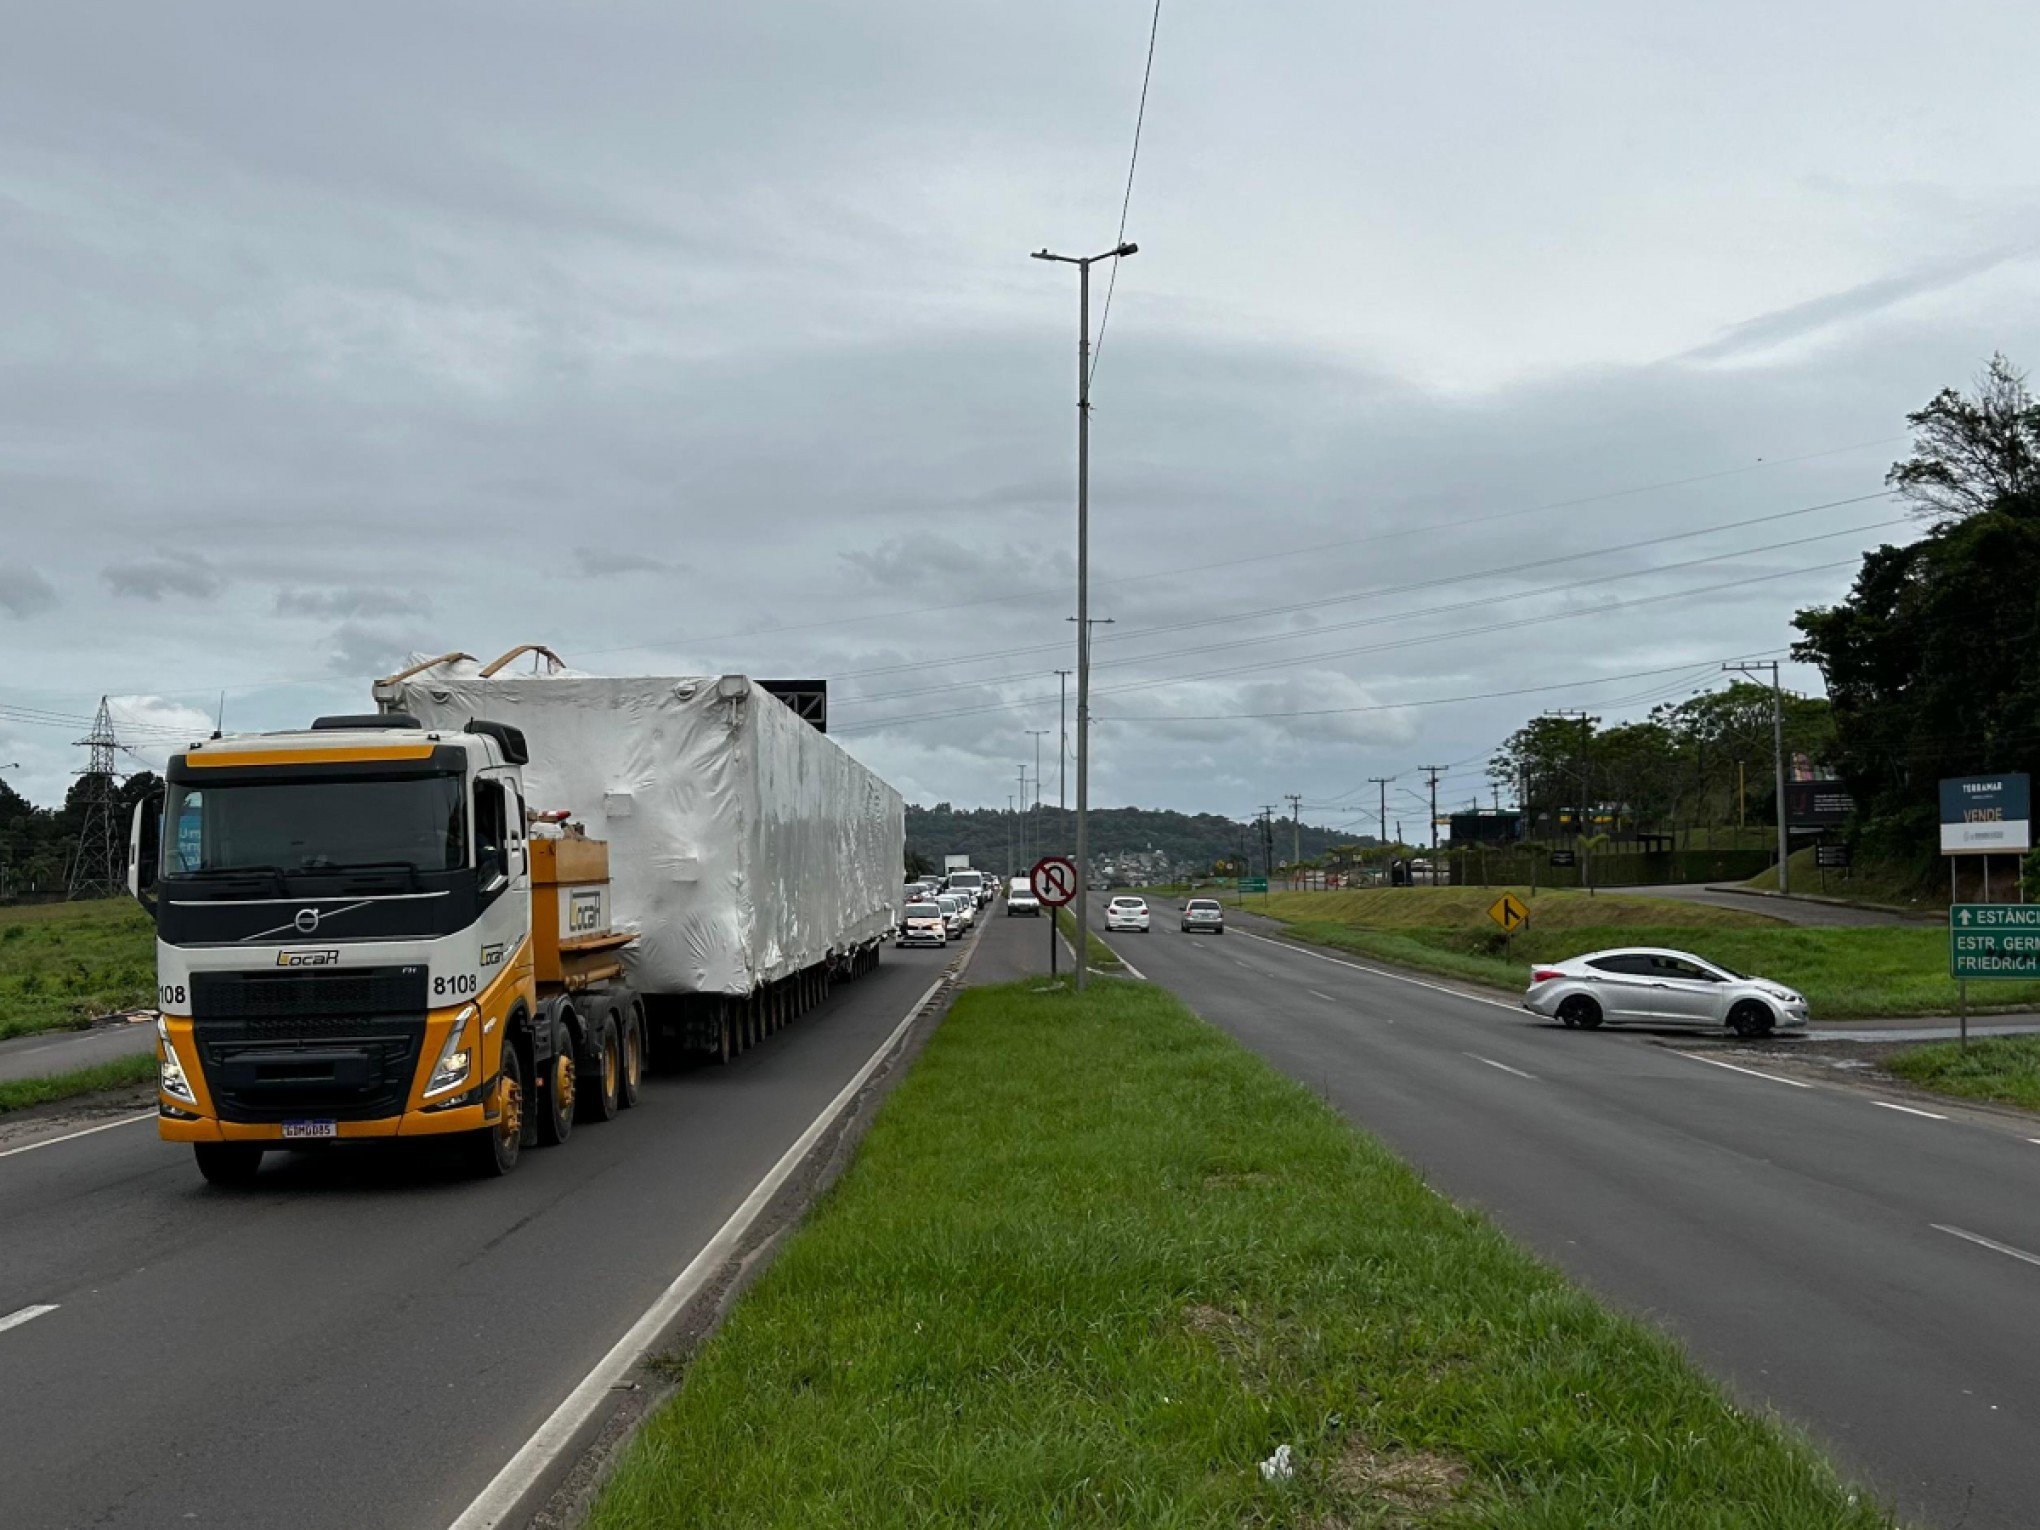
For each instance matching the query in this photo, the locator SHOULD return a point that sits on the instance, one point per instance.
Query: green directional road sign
(1994, 940)
(1253, 884)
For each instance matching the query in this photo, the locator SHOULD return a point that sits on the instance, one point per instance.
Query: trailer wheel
(493, 1150)
(633, 1071)
(232, 1164)
(556, 1089)
(600, 1086)
(725, 1045)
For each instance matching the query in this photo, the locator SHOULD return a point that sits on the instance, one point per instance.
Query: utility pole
(1778, 749)
(1009, 839)
(1038, 734)
(1021, 831)
(1295, 832)
(1382, 782)
(1062, 753)
(1083, 263)
(1434, 772)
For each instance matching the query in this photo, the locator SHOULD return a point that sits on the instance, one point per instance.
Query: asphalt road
(1788, 1235)
(1789, 910)
(364, 1338)
(60, 1051)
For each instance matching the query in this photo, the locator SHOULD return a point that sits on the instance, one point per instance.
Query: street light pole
(1062, 754)
(1083, 263)
(1778, 750)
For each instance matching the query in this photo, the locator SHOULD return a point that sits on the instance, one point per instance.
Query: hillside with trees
(1187, 841)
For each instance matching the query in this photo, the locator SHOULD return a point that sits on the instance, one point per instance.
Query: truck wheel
(633, 1071)
(493, 1150)
(725, 1044)
(599, 1088)
(556, 1089)
(227, 1163)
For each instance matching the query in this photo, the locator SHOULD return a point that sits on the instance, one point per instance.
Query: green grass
(121, 1073)
(1103, 957)
(2002, 1068)
(63, 963)
(1094, 1261)
(1869, 972)
(1871, 882)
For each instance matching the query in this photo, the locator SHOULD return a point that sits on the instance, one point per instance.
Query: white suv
(1124, 913)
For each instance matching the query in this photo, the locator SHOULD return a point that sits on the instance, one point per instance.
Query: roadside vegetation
(2001, 1068)
(121, 1073)
(1095, 1262)
(63, 963)
(1884, 970)
(1878, 884)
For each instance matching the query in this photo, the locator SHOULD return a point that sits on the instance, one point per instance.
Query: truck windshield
(297, 825)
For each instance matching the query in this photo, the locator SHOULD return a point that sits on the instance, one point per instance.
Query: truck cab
(346, 947)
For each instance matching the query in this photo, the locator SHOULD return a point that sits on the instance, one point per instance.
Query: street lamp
(1083, 263)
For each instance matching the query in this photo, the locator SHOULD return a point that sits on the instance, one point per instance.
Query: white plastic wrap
(743, 844)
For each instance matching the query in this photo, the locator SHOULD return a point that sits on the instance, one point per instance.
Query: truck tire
(492, 1151)
(232, 1164)
(633, 1072)
(596, 1099)
(556, 1089)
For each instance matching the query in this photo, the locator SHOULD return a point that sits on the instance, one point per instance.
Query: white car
(1645, 985)
(952, 913)
(1124, 913)
(923, 924)
(1020, 899)
(1203, 914)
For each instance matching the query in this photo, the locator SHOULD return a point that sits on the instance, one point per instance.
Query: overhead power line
(1126, 201)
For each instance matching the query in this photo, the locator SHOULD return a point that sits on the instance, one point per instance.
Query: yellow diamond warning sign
(1508, 912)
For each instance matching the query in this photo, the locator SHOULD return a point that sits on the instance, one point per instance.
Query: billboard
(1818, 804)
(1987, 815)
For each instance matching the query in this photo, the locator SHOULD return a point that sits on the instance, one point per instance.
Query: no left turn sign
(1054, 879)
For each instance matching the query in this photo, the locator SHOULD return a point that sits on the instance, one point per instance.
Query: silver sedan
(1644, 985)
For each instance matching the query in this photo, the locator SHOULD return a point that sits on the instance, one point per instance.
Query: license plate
(293, 1129)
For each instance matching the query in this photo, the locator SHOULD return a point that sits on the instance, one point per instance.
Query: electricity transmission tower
(99, 869)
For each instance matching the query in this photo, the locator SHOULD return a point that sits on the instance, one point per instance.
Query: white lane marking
(1325, 996)
(25, 1315)
(2033, 1139)
(1909, 1110)
(104, 1126)
(1471, 998)
(1129, 966)
(1991, 1243)
(1502, 1065)
(1715, 1062)
(556, 1435)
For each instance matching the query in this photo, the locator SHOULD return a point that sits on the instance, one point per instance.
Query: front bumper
(412, 1123)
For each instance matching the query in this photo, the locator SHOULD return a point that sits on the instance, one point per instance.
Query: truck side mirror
(145, 849)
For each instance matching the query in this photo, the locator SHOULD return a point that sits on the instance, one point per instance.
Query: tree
(1974, 455)
(1929, 659)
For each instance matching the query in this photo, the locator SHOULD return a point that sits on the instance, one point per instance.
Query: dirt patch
(1410, 1485)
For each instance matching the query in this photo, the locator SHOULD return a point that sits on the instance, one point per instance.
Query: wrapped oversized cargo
(745, 846)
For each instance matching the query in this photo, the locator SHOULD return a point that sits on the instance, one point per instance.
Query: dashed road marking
(1981, 1241)
(1325, 996)
(1502, 1065)
(25, 1315)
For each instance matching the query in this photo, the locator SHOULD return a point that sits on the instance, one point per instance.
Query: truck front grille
(340, 1045)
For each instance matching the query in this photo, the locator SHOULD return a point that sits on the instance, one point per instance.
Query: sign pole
(1962, 1011)
(1053, 940)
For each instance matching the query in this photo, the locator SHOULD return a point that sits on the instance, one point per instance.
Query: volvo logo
(307, 920)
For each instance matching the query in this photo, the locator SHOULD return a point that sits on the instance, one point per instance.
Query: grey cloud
(1860, 301)
(597, 561)
(349, 600)
(358, 651)
(25, 593)
(154, 578)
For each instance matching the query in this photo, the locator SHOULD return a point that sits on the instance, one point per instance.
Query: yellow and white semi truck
(391, 925)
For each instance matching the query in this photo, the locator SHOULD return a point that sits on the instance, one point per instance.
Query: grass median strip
(121, 1073)
(1094, 1263)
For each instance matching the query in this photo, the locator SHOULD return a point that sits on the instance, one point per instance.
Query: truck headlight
(170, 1072)
(455, 1059)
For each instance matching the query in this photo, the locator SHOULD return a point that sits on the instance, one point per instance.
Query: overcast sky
(695, 339)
